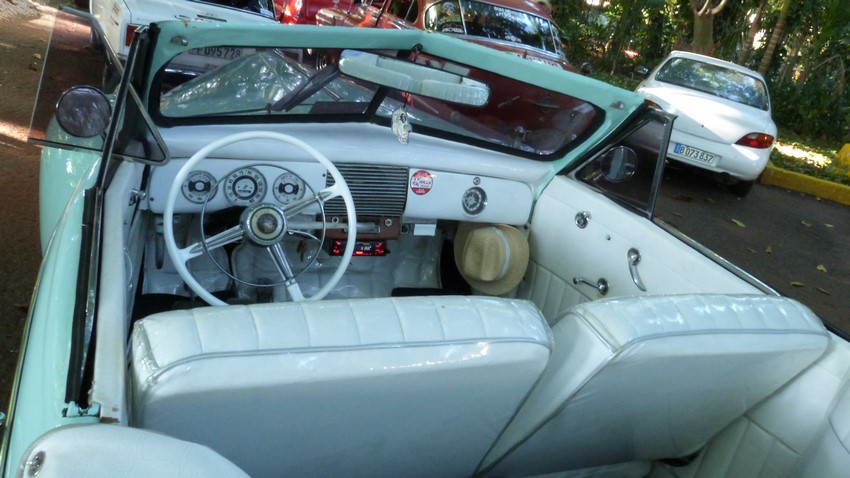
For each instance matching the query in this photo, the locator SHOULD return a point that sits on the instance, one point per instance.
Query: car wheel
(741, 188)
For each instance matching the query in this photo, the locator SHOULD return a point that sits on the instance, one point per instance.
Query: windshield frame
(170, 38)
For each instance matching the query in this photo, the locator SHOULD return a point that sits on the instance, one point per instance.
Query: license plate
(694, 153)
(222, 52)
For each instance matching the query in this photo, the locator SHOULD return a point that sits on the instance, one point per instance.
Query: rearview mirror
(413, 78)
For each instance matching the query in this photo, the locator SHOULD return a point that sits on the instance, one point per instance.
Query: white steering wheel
(263, 224)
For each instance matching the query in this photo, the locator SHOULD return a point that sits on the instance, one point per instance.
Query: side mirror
(83, 111)
(619, 164)
(641, 70)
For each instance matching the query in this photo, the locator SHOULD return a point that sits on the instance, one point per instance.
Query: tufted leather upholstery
(645, 378)
(417, 386)
(803, 430)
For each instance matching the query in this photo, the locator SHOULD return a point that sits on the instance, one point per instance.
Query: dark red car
(522, 27)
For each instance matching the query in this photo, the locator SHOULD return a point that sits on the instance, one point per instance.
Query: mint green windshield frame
(541, 91)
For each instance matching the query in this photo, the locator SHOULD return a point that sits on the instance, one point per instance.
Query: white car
(723, 119)
(119, 19)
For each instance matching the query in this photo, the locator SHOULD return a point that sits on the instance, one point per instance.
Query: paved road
(23, 33)
(797, 244)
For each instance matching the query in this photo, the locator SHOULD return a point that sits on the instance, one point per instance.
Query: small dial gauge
(196, 188)
(244, 187)
(288, 187)
(474, 200)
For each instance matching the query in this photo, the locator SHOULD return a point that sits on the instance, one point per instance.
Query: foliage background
(802, 47)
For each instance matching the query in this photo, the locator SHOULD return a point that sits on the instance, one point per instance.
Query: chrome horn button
(264, 224)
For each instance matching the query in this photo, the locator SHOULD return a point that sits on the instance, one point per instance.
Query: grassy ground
(810, 157)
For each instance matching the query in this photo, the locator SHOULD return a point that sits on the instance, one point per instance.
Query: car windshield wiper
(306, 89)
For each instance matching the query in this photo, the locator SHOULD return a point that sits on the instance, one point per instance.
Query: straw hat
(491, 257)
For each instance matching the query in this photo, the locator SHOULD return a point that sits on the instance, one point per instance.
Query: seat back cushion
(801, 431)
(653, 377)
(411, 386)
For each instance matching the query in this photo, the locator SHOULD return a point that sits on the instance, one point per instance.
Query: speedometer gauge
(197, 186)
(288, 187)
(244, 187)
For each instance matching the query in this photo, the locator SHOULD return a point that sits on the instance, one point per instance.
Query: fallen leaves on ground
(824, 291)
(797, 284)
(768, 250)
(739, 223)
(821, 268)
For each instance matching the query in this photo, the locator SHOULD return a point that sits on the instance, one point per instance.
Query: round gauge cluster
(243, 187)
(197, 186)
(288, 187)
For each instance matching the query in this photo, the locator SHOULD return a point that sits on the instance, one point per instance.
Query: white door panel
(562, 252)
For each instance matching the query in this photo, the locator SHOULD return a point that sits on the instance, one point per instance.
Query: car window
(630, 169)
(486, 20)
(406, 10)
(716, 80)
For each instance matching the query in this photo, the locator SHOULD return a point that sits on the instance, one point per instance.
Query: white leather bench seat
(417, 386)
(652, 377)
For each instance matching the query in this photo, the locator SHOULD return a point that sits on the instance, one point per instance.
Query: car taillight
(756, 140)
(130, 33)
(653, 104)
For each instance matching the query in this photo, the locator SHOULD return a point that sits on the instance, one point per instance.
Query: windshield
(468, 17)
(242, 84)
(716, 80)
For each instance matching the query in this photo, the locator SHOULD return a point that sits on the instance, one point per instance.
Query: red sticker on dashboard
(421, 182)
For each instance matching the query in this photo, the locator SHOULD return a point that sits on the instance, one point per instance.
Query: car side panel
(43, 366)
(561, 251)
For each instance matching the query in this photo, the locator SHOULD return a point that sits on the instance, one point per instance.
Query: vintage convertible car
(424, 258)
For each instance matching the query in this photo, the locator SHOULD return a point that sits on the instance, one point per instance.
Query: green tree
(775, 37)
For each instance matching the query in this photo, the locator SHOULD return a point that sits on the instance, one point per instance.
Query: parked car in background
(522, 27)
(723, 116)
(416, 258)
(303, 12)
(119, 19)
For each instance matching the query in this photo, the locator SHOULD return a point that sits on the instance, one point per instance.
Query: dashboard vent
(377, 190)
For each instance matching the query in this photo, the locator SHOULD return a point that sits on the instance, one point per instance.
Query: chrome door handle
(601, 285)
(634, 260)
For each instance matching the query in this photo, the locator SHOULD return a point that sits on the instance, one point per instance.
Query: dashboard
(413, 195)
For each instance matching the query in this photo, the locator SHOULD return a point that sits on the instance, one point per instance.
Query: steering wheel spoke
(332, 191)
(223, 238)
(280, 262)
